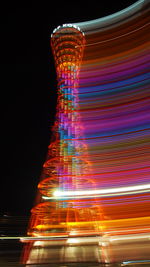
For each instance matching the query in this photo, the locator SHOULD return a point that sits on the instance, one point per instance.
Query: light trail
(101, 192)
(115, 38)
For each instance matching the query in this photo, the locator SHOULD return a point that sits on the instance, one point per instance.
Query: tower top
(66, 28)
(67, 43)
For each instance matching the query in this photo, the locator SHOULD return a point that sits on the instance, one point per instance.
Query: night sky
(28, 90)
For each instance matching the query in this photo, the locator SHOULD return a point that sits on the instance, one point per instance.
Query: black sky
(28, 90)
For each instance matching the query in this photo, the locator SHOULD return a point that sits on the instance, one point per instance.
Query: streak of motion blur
(93, 200)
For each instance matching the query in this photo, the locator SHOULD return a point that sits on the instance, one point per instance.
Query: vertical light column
(68, 45)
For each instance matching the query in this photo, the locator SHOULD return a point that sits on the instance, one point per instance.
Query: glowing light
(100, 192)
(73, 241)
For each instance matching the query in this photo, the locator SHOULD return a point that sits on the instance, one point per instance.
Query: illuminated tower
(68, 44)
(64, 166)
(74, 171)
(67, 166)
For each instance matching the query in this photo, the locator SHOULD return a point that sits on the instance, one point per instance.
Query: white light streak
(102, 192)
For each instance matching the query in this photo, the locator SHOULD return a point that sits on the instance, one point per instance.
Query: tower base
(74, 249)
